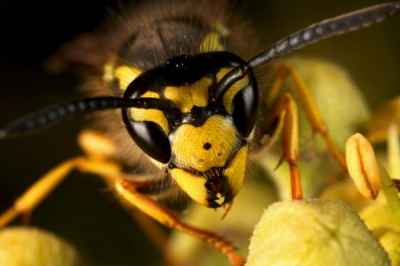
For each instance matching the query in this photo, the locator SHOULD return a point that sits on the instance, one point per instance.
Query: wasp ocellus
(190, 107)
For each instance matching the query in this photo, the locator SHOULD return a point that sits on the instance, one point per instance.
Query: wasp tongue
(218, 187)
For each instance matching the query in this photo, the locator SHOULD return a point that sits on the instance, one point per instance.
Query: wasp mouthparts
(214, 178)
(219, 192)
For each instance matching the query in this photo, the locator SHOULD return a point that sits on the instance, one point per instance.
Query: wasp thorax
(207, 142)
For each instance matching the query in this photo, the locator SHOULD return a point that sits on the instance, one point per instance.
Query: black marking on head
(207, 146)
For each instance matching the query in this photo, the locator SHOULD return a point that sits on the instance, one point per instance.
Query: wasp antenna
(314, 33)
(172, 113)
(55, 114)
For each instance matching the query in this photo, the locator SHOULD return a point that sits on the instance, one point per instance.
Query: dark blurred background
(81, 210)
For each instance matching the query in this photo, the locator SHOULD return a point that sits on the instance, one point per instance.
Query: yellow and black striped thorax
(157, 41)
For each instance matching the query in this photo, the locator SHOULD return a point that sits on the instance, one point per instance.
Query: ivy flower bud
(362, 166)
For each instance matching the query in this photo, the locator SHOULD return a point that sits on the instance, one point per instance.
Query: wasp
(180, 105)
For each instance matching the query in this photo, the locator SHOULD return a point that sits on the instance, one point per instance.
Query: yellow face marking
(185, 97)
(212, 41)
(202, 148)
(193, 185)
(153, 115)
(126, 74)
(233, 90)
(236, 170)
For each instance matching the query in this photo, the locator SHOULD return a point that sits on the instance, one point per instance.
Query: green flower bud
(314, 232)
(29, 246)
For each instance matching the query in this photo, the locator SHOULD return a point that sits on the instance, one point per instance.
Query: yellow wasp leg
(111, 172)
(310, 109)
(36, 193)
(98, 148)
(127, 191)
(286, 111)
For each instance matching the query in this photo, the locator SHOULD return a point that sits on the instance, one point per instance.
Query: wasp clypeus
(184, 108)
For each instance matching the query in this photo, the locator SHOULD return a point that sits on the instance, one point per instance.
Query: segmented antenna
(311, 34)
(55, 114)
(325, 29)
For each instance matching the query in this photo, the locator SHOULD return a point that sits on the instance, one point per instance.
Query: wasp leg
(160, 213)
(25, 204)
(98, 149)
(111, 172)
(308, 105)
(286, 111)
(36, 193)
(127, 189)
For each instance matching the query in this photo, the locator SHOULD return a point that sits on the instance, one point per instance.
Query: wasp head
(202, 142)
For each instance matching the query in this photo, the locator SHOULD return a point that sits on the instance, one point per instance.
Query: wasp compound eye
(245, 106)
(149, 136)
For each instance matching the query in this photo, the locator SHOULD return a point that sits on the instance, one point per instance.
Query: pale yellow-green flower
(28, 246)
(383, 216)
(314, 232)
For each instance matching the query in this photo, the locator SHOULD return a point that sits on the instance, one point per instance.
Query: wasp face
(208, 161)
(205, 146)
